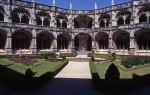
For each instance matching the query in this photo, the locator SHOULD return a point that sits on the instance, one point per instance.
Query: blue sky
(81, 4)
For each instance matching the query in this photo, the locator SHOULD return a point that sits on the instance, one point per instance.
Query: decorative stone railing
(104, 10)
(22, 25)
(83, 12)
(62, 10)
(22, 3)
(142, 2)
(43, 7)
(3, 1)
(4, 24)
(122, 6)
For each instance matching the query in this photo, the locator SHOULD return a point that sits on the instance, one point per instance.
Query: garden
(30, 69)
(118, 72)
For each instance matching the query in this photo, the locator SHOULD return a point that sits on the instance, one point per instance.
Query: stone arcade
(30, 28)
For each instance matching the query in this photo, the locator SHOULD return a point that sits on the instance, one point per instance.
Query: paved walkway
(78, 70)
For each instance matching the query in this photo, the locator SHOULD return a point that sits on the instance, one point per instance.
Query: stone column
(54, 44)
(72, 45)
(134, 16)
(7, 14)
(93, 46)
(53, 17)
(8, 47)
(34, 42)
(110, 50)
(113, 17)
(132, 44)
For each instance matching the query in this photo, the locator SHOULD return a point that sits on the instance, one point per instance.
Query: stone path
(79, 70)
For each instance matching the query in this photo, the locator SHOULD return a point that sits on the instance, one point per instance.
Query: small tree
(113, 55)
(29, 73)
(92, 58)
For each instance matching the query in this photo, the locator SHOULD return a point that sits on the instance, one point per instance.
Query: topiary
(92, 58)
(113, 55)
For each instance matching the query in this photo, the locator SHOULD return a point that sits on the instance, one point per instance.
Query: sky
(81, 4)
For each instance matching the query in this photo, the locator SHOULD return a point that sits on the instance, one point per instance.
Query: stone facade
(28, 27)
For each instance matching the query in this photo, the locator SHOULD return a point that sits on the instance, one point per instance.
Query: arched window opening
(63, 41)
(20, 15)
(143, 18)
(44, 40)
(3, 37)
(143, 39)
(121, 39)
(21, 39)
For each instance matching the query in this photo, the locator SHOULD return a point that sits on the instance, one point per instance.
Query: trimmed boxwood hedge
(131, 61)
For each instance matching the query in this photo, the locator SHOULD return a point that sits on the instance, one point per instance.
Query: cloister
(123, 28)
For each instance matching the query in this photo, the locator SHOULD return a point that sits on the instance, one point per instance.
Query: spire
(54, 2)
(70, 5)
(95, 5)
(33, 1)
(112, 2)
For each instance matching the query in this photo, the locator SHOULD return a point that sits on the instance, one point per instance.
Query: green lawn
(39, 68)
(101, 69)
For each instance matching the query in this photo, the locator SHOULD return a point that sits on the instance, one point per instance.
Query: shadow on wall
(113, 84)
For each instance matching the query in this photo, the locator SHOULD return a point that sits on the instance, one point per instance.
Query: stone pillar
(96, 20)
(8, 47)
(93, 46)
(111, 48)
(132, 44)
(7, 14)
(72, 45)
(54, 44)
(34, 42)
(134, 16)
(113, 17)
(33, 14)
(53, 19)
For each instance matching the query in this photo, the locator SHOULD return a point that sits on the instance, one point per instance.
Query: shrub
(131, 61)
(29, 73)
(48, 55)
(113, 56)
(112, 73)
(92, 58)
(64, 58)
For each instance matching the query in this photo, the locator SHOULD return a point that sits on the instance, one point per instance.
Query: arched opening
(102, 40)
(143, 18)
(20, 15)
(90, 23)
(142, 14)
(83, 42)
(76, 25)
(120, 21)
(44, 40)
(43, 18)
(102, 23)
(124, 17)
(63, 41)
(121, 39)
(104, 20)
(64, 24)
(21, 39)
(58, 23)
(2, 14)
(3, 37)
(83, 21)
(61, 21)
(142, 38)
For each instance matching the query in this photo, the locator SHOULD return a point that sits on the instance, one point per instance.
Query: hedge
(131, 61)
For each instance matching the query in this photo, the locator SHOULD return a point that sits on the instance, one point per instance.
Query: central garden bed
(25, 70)
(123, 74)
